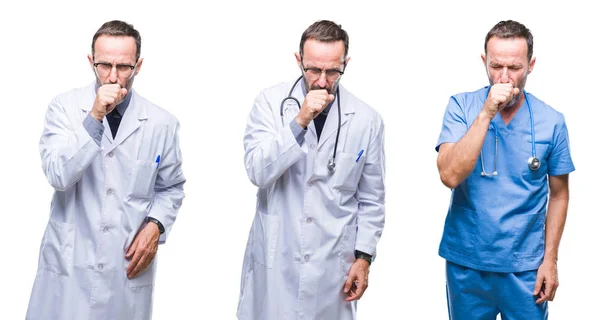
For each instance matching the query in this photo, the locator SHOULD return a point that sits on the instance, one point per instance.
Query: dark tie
(319, 122)
(114, 119)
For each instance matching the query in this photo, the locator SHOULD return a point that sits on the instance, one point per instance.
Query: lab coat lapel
(331, 124)
(132, 119)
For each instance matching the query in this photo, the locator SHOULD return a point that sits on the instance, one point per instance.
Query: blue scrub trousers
(481, 295)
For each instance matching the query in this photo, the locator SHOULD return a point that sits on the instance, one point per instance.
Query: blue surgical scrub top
(497, 223)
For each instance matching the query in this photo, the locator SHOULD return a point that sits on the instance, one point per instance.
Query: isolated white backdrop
(205, 63)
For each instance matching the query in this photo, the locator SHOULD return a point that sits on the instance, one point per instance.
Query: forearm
(457, 161)
(271, 155)
(371, 197)
(94, 128)
(371, 220)
(555, 223)
(165, 206)
(66, 154)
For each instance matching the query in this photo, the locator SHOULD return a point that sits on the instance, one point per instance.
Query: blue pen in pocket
(157, 161)
(360, 154)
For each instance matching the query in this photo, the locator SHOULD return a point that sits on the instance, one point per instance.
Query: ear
(531, 64)
(484, 60)
(139, 66)
(346, 63)
(298, 59)
(91, 60)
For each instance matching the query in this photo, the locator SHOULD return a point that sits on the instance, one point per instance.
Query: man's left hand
(358, 280)
(142, 250)
(546, 282)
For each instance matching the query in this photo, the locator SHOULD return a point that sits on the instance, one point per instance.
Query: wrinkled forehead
(506, 48)
(115, 49)
(323, 53)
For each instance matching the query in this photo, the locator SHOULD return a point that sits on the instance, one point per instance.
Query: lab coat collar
(136, 113)
(132, 119)
(330, 125)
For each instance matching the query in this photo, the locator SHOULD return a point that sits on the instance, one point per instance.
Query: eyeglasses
(104, 69)
(330, 74)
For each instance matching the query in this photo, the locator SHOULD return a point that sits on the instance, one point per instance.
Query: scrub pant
(481, 295)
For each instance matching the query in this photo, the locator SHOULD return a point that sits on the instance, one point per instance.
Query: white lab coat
(308, 222)
(102, 196)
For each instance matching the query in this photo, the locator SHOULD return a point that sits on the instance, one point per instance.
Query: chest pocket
(144, 169)
(541, 151)
(142, 178)
(347, 171)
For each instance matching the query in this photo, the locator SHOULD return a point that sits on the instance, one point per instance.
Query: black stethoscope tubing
(331, 163)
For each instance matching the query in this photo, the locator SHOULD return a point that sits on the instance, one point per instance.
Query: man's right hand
(314, 103)
(500, 94)
(109, 95)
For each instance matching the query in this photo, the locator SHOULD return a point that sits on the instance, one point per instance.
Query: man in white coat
(316, 154)
(113, 159)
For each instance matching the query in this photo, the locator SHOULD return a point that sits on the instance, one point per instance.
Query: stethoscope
(533, 162)
(331, 163)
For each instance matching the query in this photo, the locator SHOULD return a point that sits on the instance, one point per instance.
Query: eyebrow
(513, 65)
(338, 68)
(115, 64)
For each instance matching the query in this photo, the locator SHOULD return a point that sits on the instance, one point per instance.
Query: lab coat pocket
(347, 171)
(144, 278)
(541, 152)
(57, 248)
(348, 244)
(266, 231)
(142, 178)
(530, 242)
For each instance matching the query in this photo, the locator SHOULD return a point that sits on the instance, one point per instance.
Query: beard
(330, 89)
(128, 84)
(520, 85)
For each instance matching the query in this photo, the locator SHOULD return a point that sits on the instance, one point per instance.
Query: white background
(206, 62)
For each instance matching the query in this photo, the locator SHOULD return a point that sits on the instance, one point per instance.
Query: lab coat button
(109, 192)
(309, 220)
(306, 258)
(105, 230)
(111, 154)
(100, 267)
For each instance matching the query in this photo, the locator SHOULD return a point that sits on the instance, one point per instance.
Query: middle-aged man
(316, 154)
(501, 150)
(113, 159)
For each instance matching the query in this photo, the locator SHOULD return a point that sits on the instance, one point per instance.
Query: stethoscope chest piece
(331, 165)
(534, 163)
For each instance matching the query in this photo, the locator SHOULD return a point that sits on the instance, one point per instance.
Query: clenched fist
(500, 94)
(314, 103)
(108, 97)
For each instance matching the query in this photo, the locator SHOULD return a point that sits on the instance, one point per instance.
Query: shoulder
(155, 113)
(544, 111)
(277, 91)
(362, 110)
(469, 100)
(75, 96)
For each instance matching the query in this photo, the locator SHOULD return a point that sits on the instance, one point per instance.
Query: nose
(112, 76)
(504, 76)
(322, 81)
